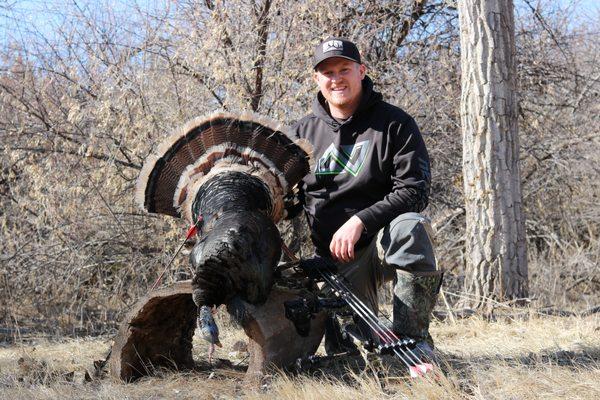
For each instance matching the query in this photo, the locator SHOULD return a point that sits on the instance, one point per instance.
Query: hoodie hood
(369, 98)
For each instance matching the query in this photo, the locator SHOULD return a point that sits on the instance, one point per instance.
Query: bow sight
(379, 338)
(304, 309)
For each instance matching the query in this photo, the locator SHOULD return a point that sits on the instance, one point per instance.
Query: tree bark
(496, 256)
(261, 54)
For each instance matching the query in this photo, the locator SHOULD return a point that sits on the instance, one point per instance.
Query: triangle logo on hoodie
(345, 159)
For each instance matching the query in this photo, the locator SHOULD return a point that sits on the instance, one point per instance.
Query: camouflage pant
(401, 252)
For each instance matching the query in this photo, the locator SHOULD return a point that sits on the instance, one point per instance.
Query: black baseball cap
(335, 47)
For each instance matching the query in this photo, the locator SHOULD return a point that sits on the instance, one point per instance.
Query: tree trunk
(261, 54)
(496, 256)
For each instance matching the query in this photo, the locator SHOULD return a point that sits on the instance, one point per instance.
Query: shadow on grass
(586, 357)
(345, 368)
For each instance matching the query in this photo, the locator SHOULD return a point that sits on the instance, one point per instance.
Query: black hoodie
(373, 165)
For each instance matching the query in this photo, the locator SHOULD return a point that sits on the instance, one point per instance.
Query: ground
(522, 355)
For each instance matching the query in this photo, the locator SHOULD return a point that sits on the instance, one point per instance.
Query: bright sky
(20, 17)
(586, 11)
(17, 17)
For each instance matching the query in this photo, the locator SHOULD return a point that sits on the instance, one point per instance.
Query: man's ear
(363, 71)
(315, 78)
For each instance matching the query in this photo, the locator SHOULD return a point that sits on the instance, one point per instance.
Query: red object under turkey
(191, 232)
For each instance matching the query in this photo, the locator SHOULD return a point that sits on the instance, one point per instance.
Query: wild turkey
(233, 173)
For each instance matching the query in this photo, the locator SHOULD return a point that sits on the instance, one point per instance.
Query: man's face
(340, 81)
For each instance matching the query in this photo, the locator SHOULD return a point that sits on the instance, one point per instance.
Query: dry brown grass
(525, 357)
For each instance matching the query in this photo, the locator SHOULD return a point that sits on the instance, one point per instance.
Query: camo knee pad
(414, 298)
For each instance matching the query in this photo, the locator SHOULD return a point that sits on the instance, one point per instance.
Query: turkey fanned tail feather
(234, 171)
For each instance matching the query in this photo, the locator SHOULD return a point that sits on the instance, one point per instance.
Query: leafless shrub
(82, 104)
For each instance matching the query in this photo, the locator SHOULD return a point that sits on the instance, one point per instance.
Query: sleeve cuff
(369, 221)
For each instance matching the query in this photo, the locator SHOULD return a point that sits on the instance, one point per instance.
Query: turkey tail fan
(208, 144)
(234, 171)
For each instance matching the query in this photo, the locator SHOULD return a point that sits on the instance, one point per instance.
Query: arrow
(191, 232)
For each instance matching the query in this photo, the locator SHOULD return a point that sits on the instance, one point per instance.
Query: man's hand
(343, 241)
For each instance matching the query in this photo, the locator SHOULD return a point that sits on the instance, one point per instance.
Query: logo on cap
(332, 45)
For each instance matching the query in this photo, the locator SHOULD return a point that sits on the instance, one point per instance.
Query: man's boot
(415, 295)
